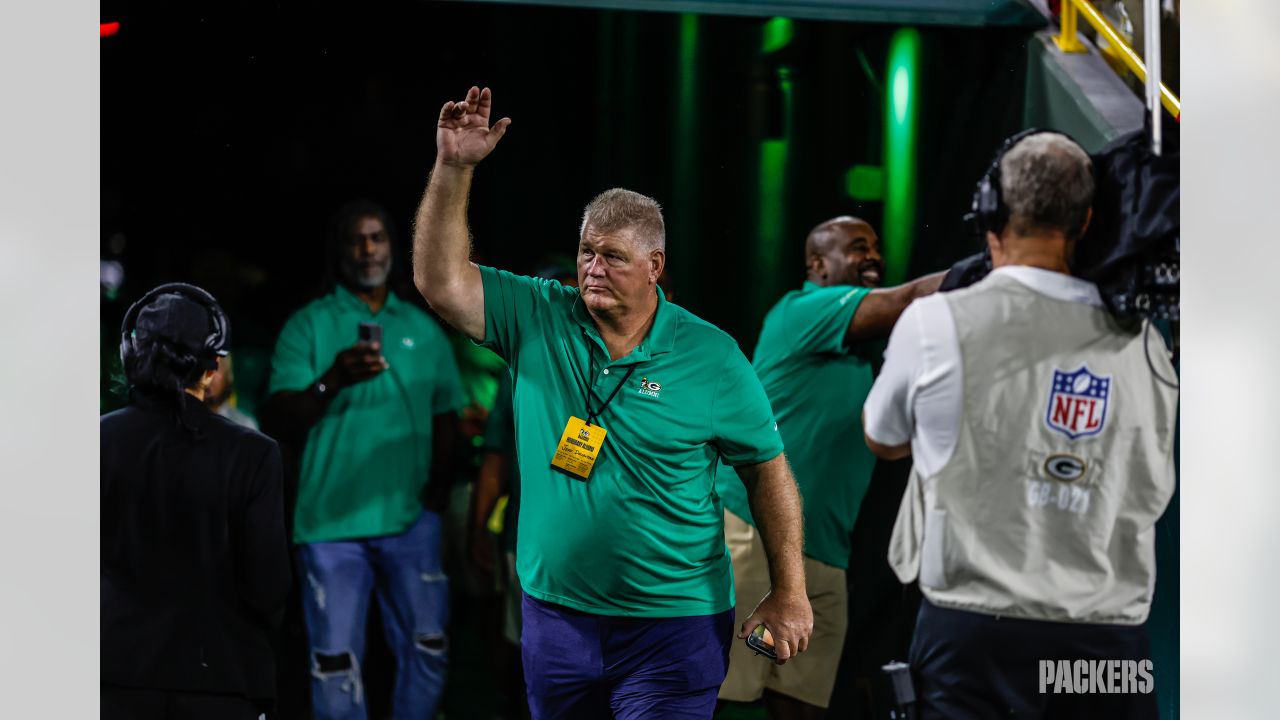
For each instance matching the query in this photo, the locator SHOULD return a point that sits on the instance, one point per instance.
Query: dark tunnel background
(231, 132)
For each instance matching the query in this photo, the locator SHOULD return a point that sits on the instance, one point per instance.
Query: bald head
(834, 230)
(844, 250)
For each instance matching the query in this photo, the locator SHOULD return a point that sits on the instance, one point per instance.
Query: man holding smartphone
(366, 384)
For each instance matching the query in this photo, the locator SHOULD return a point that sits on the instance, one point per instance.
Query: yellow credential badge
(579, 446)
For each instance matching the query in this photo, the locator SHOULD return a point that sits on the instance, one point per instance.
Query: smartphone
(761, 641)
(370, 333)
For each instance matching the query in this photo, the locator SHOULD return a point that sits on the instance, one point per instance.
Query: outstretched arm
(442, 269)
(880, 309)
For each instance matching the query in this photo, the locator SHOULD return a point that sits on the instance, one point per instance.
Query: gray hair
(621, 209)
(1046, 182)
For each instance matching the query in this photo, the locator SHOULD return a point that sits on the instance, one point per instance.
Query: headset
(988, 212)
(1144, 295)
(215, 345)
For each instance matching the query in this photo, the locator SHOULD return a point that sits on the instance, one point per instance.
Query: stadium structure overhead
(968, 13)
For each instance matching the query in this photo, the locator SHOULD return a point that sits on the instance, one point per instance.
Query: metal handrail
(1068, 40)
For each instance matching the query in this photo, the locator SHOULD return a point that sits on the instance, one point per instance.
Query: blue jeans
(404, 573)
(580, 666)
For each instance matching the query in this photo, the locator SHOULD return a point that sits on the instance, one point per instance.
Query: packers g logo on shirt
(649, 388)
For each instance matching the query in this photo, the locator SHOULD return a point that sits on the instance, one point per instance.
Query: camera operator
(1042, 440)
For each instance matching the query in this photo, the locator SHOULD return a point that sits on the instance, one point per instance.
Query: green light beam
(772, 204)
(683, 203)
(898, 232)
(777, 34)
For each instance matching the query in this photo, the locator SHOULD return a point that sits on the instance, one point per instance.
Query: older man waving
(623, 403)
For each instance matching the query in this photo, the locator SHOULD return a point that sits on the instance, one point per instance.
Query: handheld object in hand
(761, 641)
(370, 333)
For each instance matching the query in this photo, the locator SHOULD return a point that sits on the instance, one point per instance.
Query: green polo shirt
(367, 459)
(817, 387)
(644, 534)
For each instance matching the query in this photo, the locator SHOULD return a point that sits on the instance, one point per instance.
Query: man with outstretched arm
(814, 359)
(623, 404)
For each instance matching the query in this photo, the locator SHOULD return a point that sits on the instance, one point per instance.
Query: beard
(367, 277)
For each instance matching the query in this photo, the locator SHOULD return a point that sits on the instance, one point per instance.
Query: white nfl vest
(1063, 463)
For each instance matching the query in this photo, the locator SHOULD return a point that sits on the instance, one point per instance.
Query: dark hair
(158, 365)
(161, 370)
(339, 234)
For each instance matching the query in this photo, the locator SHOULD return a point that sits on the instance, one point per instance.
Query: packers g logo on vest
(1078, 402)
(1065, 467)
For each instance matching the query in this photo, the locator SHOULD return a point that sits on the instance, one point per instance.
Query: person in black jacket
(195, 565)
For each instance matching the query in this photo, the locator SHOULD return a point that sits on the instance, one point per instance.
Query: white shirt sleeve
(889, 419)
(918, 396)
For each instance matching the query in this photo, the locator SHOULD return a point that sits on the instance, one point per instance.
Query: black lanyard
(586, 390)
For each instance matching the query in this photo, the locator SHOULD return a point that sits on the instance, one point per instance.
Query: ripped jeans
(404, 573)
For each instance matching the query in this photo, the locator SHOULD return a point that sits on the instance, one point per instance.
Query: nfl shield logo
(1078, 402)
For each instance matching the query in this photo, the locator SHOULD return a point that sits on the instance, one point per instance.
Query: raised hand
(463, 135)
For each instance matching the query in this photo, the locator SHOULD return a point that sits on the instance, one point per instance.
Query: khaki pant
(809, 677)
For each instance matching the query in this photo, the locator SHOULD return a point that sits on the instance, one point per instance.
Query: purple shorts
(580, 665)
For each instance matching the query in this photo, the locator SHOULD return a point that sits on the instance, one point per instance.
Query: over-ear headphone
(215, 345)
(988, 211)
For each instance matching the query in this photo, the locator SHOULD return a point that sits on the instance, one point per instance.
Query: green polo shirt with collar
(643, 535)
(368, 457)
(817, 386)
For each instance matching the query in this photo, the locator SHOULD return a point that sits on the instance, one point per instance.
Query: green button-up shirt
(368, 457)
(643, 535)
(817, 386)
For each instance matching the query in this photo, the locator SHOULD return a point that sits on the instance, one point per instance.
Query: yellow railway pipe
(1069, 41)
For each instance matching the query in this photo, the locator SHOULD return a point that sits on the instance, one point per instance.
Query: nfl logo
(1078, 402)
